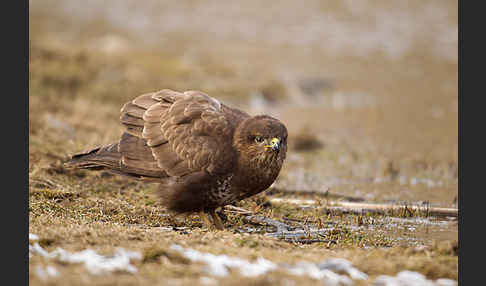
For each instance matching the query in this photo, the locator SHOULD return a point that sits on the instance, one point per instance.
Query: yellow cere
(273, 142)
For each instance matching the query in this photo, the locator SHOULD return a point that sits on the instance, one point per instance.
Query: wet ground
(368, 92)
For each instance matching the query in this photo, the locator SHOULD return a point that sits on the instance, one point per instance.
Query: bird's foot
(216, 220)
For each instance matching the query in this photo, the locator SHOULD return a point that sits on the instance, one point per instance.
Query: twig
(361, 208)
(300, 221)
(233, 209)
(324, 194)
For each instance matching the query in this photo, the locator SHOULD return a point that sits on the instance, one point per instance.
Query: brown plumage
(204, 154)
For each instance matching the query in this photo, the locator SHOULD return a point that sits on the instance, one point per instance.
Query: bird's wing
(186, 132)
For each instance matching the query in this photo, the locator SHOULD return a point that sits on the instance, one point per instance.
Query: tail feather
(109, 158)
(97, 159)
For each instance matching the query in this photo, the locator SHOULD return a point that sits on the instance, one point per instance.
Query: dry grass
(72, 210)
(378, 127)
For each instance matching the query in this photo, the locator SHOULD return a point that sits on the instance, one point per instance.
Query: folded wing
(177, 133)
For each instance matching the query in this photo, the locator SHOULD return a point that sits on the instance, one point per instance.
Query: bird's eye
(258, 139)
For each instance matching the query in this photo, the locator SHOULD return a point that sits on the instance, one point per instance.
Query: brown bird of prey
(204, 154)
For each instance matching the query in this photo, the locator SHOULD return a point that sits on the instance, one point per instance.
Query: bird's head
(262, 138)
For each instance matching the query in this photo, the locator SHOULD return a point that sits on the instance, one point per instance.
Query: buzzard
(204, 153)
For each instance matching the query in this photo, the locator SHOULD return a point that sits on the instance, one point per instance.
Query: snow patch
(411, 278)
(218, 265)
(208, 280)
(94, 262)
(37, 249)
(33, 237)
(45, 273)
(341, 265)
(312, 270)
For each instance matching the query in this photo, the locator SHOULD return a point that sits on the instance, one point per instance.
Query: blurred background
(367, 89)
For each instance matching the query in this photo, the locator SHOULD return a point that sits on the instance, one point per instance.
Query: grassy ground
(72, 210)
(380, 129)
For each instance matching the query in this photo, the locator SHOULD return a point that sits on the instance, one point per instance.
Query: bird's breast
(222, 192)
(256, 177)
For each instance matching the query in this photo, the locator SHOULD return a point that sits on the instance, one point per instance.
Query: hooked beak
(274, 144)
